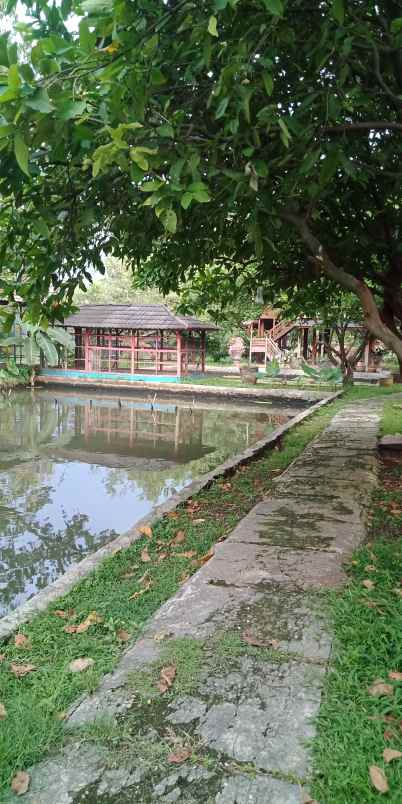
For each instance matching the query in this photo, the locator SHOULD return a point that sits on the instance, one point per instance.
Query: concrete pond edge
(77, 572)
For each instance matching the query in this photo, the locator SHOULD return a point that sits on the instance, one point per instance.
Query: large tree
(190, 133)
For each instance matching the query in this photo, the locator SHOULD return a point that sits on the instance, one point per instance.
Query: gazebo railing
(109, 359)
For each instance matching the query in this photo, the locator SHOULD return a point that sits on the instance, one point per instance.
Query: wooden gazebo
(133, 341)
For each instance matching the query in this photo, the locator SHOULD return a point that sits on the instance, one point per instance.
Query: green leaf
(186, 200)
(21, 152)
(197, 186)
(42, 228)
(97, 6)
(268, 83)
(31, 352)
(338, 11)
(39, 101)
(165, 131)
(14, 80)
(151, 45)
(87, 37)
(329, 167)
(220, 5)
(212, 26)
(396, 25)
(309, 161)
(201, 196)
(6, 130)
(61, 336)
(223, 105)
(150, 186)
(285, 133)
(169, 220)
(139, 158)
(47, 347)
(71, 109)
(275, 7)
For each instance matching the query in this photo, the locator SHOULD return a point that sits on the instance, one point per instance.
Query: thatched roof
(133, 316)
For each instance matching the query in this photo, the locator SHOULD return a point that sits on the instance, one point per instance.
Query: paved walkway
(245, 711)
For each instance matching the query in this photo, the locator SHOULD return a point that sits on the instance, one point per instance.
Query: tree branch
(372, 318)
(362, 126)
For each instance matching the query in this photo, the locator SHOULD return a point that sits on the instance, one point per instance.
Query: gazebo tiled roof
(134, 316)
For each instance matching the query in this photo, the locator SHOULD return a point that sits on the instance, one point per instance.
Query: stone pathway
(246, 712)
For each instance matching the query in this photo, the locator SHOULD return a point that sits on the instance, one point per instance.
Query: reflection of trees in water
(28, 424)
(29, 481)
(34, 429)
(34, 554)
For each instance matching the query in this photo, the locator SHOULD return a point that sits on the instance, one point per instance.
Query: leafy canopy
(187, 134)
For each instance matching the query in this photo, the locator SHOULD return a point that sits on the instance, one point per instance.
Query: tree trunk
(372, 318)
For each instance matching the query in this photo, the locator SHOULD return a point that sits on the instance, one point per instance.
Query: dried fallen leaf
(205, 558)
(179, 537)
(172, 515)
(145, 530)
(198, 521)
(187, 554)
(395, 675)
(398, 592)
(141, 591)
(21, 670)
(368, 584)
(61, 715)
(64, 615)
(79, 665)
(161, 557)
(20, 783)
(167, 676)
(184, 577)
(378, 779)
(159, 637)
(379, 688)
(21, 641)
(145, 555)
(2, 657)
(3, 711)
(389, 735)
(179, 756)
(248, 637)
(122, 635)
(370, 568)
(308, 800)
(391, 753)
(93, 619)
(70, 629)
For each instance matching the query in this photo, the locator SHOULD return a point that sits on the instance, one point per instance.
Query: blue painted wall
(71, 374)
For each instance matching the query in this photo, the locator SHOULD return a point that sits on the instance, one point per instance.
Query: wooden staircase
(267, 345)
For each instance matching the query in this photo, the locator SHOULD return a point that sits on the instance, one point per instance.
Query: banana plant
(323, 374)
(272, 369)
(35, 342)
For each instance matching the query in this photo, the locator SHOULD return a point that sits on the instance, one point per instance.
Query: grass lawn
(355, 726)
(125, 591)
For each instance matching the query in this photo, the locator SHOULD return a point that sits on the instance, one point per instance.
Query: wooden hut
(132, 342)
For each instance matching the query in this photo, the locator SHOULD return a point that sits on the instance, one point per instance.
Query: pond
(78, 470)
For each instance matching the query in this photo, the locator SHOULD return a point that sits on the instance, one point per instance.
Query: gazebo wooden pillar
(202, 351)
(178, 353)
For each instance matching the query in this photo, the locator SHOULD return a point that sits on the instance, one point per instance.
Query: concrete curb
(78, 572)
(182, 389)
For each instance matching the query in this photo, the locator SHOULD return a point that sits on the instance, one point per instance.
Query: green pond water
(78, 470)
